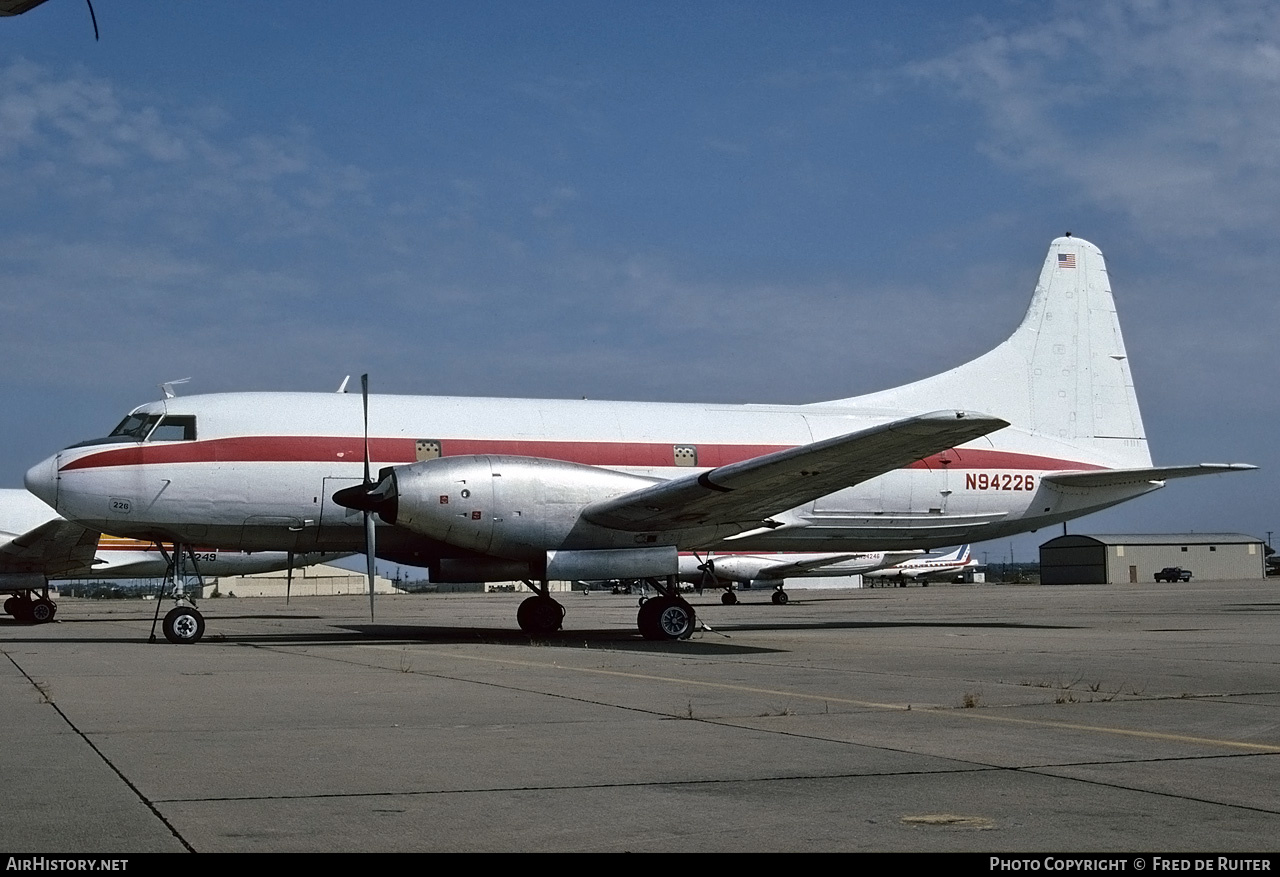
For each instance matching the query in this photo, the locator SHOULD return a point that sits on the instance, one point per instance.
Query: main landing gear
(540, 615)
(29, 609)
(183, 624)
(730, 597)
(667, 616)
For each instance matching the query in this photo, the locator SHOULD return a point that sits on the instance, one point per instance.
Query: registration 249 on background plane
(1041, 429)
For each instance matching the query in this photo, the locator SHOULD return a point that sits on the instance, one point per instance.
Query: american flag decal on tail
(1066, 260)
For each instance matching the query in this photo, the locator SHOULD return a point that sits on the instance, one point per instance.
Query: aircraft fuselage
(261, 470)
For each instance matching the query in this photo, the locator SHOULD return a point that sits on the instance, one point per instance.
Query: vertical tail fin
(959, 555)
(1063, 375)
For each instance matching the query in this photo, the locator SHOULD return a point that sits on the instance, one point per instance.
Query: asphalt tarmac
(963, 718)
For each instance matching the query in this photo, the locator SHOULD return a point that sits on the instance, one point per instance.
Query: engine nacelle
(589, 565)
(514, 507)
(740, 569)
(13, 582)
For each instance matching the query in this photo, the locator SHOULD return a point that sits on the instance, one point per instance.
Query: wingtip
(970, 416)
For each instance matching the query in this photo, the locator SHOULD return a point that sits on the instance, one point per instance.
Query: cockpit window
(135, 427)
(174, 428)
(140, 427)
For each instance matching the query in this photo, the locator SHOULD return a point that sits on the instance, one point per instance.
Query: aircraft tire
(677, 619)
(666, 618)
(22, 610)
(10, 606)
(729, 598)
(183, 625)
(540, 616)
(647, 618)
(780, 598)
(42, 611)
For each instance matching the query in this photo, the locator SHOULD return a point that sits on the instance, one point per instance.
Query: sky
(713, 202)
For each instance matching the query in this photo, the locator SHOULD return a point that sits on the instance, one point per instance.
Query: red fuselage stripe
(331, 449)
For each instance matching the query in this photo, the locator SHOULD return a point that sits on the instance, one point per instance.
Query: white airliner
(500, 489)
(943, 566)
(724, 570)
(37, 546)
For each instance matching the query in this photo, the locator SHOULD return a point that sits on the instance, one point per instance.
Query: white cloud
(1167, 112)
(121, 154)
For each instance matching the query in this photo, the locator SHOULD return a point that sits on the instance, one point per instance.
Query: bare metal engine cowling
(505, 506)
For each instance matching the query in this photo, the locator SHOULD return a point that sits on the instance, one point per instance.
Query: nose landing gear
(183, 624)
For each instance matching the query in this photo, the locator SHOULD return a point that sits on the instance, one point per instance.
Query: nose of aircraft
(42, 480)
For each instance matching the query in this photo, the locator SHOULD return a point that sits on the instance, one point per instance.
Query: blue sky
(731, 202)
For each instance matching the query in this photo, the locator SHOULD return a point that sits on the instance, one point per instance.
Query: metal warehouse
(1119, 559)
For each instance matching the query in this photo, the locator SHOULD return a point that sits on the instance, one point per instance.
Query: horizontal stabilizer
(1122, 477)
(748, 492)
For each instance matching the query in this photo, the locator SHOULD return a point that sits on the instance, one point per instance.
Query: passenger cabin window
(174, 428)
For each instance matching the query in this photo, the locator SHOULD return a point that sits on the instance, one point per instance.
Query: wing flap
(747, 493)
(1124, 477)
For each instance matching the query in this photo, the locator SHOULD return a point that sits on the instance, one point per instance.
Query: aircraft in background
(942, 567)
(37, 546)
(502, 489)
(720, 570)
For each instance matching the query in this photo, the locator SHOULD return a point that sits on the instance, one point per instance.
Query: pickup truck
(1173, 574)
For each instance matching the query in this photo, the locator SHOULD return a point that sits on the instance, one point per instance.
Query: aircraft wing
(782, 570)
(748, 492)
(1121, 477)
(53, 548)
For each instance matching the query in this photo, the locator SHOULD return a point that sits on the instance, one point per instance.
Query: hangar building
(1118, 559)
(319, 580)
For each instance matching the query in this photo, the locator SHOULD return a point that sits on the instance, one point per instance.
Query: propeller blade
(708, 571)
(288, 581)
(370, 553)
(370, 535)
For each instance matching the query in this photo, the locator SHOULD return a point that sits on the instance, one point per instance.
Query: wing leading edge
(748, 492)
